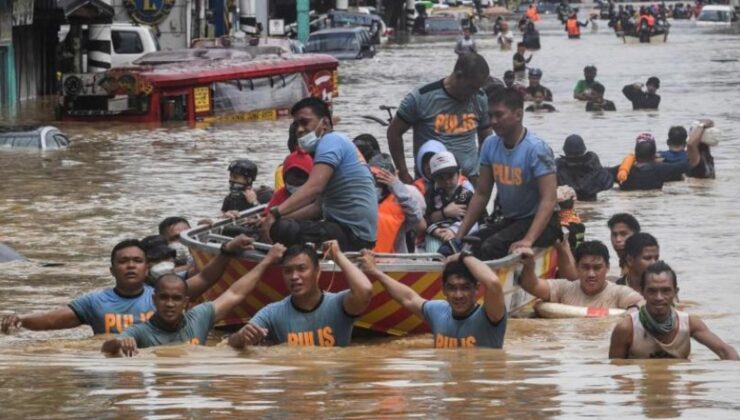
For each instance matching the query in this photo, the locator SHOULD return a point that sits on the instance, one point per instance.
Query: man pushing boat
(458, 321)
(171, 323)
(129, 302)
(309, 316)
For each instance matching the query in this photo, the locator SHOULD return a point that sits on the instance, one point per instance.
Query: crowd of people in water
(468, 135)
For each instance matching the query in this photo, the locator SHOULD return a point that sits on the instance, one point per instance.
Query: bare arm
(210, 274)
(395, 145)
(317, 180)
(701, 333)
(56, 319)
(529, 280)
(238, 291)
(566, 262)
(479, 201)
(547, 185)
(404, 295)
(493, 298)
(309, 212)
(483, 133)
(692, 146)
(621, 339)
(360, 288)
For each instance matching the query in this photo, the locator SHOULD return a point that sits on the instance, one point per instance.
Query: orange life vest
(532, 14)
(421, 185)
(390, 221)
(571, 25)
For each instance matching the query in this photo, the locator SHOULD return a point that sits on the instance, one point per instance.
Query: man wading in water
(458, 321)
(130, 301)
(658, 330)
(309, 316)
(171, 323)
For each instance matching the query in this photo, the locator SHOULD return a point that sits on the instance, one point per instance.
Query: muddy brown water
(118, 181)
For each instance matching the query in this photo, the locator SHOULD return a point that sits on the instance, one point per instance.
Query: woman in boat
(296, 168)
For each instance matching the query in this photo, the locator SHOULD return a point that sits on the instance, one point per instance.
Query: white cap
(565, 192)
(443, 162)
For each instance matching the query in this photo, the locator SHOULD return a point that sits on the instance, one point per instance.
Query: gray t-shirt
(434, 114)
(475, 330)
(349, 197)
(195, 327)
(328, 325)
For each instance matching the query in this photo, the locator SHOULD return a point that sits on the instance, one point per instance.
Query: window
(127, 42)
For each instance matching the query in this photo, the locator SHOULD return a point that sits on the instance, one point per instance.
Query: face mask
(183, 253)
(308, 141)
(235, 187)
(161, 268)
(291, 188)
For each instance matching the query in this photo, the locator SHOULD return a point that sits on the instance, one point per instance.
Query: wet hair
(645, 151)
(635, 244)
(598, 88)
(171, 221)
(520, 44)
(654, 81)
(677, 136)
(299, 249)
(368, 145)
(158, 281)
(626, 219)
(509, 97)
(456, 268)
(157, 248)
(318, 107)
(126, 243)
(658, 267)
(592, 249)
(472, 66)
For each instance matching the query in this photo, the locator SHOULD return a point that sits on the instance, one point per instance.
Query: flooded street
(118, 181)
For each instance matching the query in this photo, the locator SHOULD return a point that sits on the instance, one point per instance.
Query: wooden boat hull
(384, 314)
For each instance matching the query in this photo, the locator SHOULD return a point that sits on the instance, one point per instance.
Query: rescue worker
(573, 26)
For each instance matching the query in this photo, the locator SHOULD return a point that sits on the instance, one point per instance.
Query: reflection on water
(119, 181)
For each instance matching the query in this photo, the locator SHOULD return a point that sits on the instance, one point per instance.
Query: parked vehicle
(445, 25)
(716, 15)
(372, 22)
(342, 43)
(129, 42)
(207, 84)
(26, 137)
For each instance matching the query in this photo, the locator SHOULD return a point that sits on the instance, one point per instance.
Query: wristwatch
(464, 253)
(275, 212)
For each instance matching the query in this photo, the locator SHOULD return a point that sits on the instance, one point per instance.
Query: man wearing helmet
(535, 75)
(242, 173)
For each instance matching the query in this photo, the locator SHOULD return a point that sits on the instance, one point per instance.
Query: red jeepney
(195, 85)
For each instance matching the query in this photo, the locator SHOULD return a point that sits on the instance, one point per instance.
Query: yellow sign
(202, 96)
(261, 115)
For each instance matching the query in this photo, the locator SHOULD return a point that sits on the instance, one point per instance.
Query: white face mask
(308, 141)
(161, 268)
(291, 188)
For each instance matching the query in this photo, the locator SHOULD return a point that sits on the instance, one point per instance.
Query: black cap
(574, 146)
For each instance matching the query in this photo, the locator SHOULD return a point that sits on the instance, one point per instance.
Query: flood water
(116, 182)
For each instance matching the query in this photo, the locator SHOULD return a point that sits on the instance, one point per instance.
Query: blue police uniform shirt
(515, 172)
(349, 197)
(196, 325)
(108, 312)
(327, 325)
(475, 330)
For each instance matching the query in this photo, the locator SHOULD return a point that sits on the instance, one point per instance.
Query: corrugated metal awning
(86, 11)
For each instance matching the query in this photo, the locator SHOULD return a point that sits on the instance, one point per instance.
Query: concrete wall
(173, 28)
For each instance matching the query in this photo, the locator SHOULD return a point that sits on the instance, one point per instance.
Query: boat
(200, 84)
(421, 272)
(659, 37)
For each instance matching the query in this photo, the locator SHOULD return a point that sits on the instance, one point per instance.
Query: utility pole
(302, 7)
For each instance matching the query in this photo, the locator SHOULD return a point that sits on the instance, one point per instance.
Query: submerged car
(40, 138)
(342, 43)
(716, 15)
(445, 25)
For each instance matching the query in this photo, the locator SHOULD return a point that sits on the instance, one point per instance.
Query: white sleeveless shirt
(645, 346)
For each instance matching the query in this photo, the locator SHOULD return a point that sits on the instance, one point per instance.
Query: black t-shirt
(640, 99)
(651, 176)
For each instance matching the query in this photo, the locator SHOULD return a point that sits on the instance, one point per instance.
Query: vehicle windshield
(332, 42)
(714, 16)
(442, 25)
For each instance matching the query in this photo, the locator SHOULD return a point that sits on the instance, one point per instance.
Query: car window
(127, 42)
(61, 140)
(340, 41)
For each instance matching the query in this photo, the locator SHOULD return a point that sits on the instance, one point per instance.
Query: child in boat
(569, 218)
(242, 174)
(446, 203)
(296, 168)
